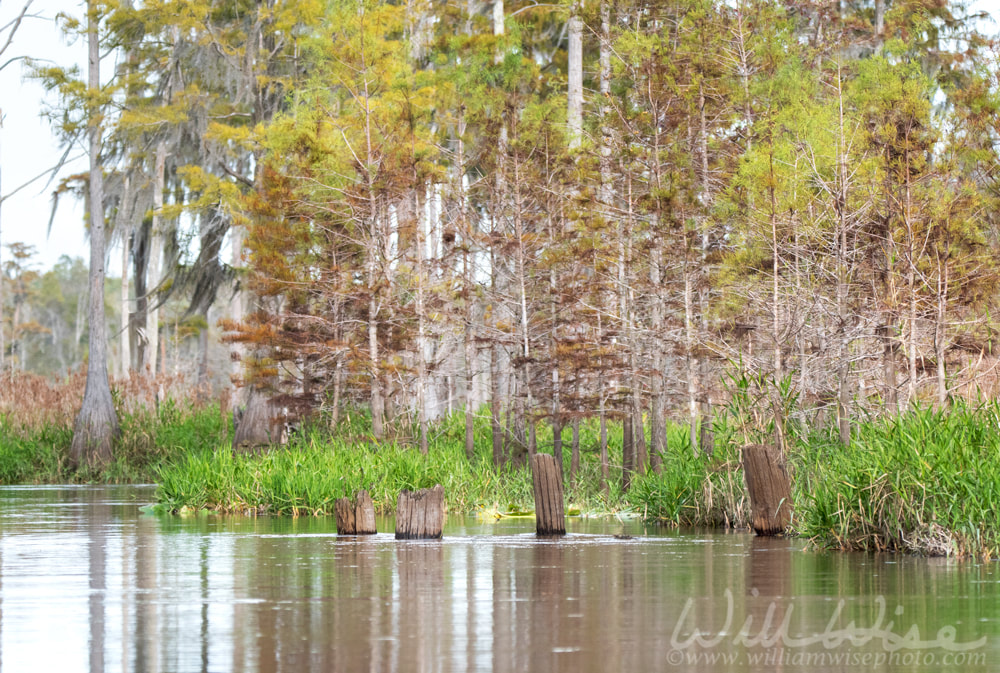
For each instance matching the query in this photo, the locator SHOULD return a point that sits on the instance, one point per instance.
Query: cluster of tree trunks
(355, 269)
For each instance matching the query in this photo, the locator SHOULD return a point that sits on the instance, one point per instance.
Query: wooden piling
(420, 514)
(769, 487)
(357, 517)
(550, 518)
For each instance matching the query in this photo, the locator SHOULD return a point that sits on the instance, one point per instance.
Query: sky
(28, 147)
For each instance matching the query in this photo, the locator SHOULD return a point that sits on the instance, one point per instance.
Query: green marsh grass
(309, 475)
(693, 489)
(38, 453)
(927, 481)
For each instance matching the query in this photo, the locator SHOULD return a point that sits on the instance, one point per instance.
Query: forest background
(751, 220)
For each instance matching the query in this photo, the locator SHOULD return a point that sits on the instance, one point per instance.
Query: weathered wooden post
(550, 519)
(769, 487)
(420, 515)
(356, 518)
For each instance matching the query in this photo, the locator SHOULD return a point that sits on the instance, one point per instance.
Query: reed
(309, 475)
(693, 489)
(927, 481)
(36, 419)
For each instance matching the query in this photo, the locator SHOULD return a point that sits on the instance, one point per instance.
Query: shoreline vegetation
(926, 481)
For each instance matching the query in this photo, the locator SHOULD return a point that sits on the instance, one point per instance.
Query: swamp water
(89, 582)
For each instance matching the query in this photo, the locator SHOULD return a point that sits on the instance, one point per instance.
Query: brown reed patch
(30, 402)
(141, 391)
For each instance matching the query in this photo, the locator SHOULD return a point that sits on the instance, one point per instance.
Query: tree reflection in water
(266, 595)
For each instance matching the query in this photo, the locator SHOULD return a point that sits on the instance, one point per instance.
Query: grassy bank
(35, 449)
(36, 427)
(925, 482)
(310, 474)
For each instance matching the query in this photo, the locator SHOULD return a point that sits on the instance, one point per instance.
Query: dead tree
(357, 517)
(550, 516)
(420, 514)
(769, 487)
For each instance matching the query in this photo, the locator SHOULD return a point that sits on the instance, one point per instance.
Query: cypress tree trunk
(97, 423)
(657, 410)
(470, 350)
(603, 416)
(496, 426)
(843, 364)
(628, 450)
(557, 423)
(258, 425)
(203, 383)
(421, 326)
(574, 460)
(691, 357)
(574, 110)
(467, 291)
(707, 438)
(940, 335)
(236, 304)
(338, 377)
(125, 323)
(154, 265)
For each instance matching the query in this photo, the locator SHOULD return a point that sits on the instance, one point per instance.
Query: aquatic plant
(927, 481)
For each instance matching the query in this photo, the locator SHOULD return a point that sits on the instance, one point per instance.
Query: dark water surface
(88, 582)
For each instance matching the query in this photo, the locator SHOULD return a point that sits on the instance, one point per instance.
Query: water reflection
(91, 520)
(89, 583)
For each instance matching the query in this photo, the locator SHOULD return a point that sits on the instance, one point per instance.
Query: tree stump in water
(356, 518)
(769, 487)
(420, 515)
(550, 519)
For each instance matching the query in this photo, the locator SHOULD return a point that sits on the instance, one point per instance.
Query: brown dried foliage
(30, 402)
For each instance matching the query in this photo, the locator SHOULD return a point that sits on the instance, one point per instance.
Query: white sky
(27, 146)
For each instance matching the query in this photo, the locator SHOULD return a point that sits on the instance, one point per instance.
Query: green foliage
(927, 482)
(924, 482)
(149, 438)
(309, 475)
(823, 193)
(759, 409)
(693, 489)
(33, 459)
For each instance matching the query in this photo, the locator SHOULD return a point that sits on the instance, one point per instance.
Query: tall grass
(692, 488)
(926, 481)
(311, 473)
(36, 420)
(308, 476)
